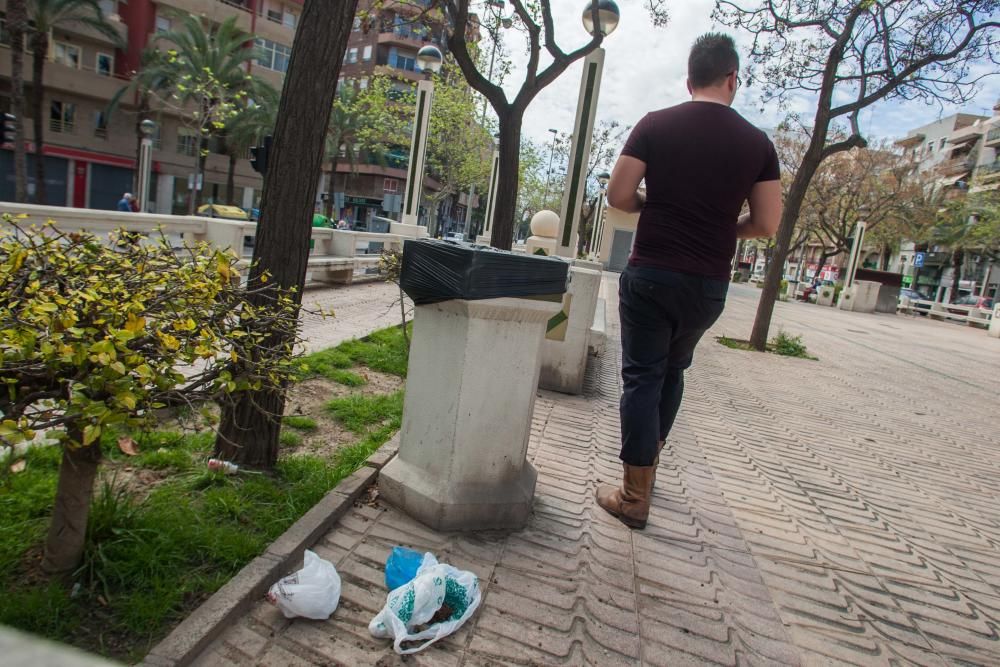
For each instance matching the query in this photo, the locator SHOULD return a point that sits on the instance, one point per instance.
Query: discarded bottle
(225, 467)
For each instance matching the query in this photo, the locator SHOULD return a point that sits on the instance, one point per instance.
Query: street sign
(918, 260)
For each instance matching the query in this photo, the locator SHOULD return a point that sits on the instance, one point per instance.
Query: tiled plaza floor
(840, 511)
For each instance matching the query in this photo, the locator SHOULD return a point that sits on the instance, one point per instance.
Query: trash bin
(479, 323)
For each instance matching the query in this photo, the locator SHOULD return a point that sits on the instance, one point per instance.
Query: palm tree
(246, 129)
(204, 69)
(346, 122)
(17, 25)
(46, 16)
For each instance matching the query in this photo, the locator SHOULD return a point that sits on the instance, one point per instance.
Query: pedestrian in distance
(125, 203)
(701, 162)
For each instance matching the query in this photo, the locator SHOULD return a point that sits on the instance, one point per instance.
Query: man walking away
(701, 161)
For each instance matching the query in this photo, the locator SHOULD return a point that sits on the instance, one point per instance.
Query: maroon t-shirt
(702, 159)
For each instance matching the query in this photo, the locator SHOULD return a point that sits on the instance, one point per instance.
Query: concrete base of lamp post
(994, 328)
(861, 297)
(564, 353)
(471, 385)
(407, 230)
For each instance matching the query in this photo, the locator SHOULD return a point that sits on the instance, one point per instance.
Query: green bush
(789, 346)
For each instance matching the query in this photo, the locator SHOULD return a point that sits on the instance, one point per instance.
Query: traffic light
(258, 155)
(8, 130)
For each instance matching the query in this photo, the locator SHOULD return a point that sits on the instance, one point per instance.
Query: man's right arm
(765, 211)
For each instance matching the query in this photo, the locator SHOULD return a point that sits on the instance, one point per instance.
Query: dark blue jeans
(663, 316)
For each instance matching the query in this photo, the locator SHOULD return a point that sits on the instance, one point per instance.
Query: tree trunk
(249, 428)
(17, 24)
(328, 208)
(957, 261)
(231, 181)
(506, 195)
(790, 215)
(199, 174)
(68, 529)
(39, 52)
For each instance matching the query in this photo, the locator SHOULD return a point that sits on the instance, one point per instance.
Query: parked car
(222, 211)
(971, 300)
(914, 295)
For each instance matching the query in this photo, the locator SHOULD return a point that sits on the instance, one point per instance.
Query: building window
(108, 7)
(357, 25)
(289, 20)
(366, 55)
(163, 24)
(352, 55)
(274, 15)
(272, 55)
(363, 82)
(4, 35)
(943, 140)
(407, 63)
(100, 125)
(62, 116)
(390, 186)
(187, 142)
(66, 54)
(105, 64)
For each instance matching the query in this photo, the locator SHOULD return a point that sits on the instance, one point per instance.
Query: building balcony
(79, 29)
(967, 135)
(993, 137)
(398, 73)
(408, 40)
(82, 81)
(956, 166)
(214, 11)
(911, 140)
(988, 173)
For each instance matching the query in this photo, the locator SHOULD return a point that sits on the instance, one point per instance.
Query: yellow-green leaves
(93, 334)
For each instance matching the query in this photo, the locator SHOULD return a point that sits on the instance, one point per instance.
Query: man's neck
(709, 95)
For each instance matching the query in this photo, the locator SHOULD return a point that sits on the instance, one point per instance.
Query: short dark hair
(713, 57)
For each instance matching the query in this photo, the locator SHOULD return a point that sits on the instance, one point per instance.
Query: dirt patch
(309, 398)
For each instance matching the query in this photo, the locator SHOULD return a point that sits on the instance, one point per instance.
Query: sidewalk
(839, 511)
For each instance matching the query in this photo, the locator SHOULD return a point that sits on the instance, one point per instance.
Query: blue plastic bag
(401, 567)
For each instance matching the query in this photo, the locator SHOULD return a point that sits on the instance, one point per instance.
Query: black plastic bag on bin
(436, 271)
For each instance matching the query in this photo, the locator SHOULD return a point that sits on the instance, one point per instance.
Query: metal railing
(59, 125)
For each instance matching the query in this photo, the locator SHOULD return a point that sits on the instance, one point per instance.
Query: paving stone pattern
(842, 511)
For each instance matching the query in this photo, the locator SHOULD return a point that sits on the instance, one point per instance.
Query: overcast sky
(646, 68)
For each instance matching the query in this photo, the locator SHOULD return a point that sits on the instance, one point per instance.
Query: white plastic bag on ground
(417, 602)
(312, 592)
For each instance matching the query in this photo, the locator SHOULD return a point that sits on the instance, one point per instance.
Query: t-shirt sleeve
(637, 145)
(771, 170)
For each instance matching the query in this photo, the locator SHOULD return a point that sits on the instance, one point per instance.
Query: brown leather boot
(656, 461)
(630, 503)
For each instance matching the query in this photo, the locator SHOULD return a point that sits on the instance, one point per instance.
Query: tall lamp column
(148, 129)
(586, 112)
(598, 231)
(429, 59)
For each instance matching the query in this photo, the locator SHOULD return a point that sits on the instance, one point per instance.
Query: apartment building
(90, 155)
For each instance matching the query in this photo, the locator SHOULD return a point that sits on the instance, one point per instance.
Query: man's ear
(690, 89)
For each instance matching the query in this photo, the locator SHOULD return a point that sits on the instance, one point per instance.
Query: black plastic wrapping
(436, 271)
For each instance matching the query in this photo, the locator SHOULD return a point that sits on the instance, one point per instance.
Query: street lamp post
(548, 173)
(492, 191)
(429, 59)
(595, 238)
(148, 129)
(859, 239)
(586, 112)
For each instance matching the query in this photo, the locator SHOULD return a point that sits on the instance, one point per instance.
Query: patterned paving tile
(843, 511)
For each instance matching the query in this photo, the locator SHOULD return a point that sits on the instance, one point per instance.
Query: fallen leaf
(19, 466)
(127, 446)
(102, 601)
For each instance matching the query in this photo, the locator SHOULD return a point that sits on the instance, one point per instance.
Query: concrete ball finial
(545, 224)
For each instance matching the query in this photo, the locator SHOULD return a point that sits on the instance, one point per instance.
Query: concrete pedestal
(994, 328)
(564, 353)
(543, 243)
(409, 231)
(824, 296)
(483, 240)
(861, 297)
(471, 387)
